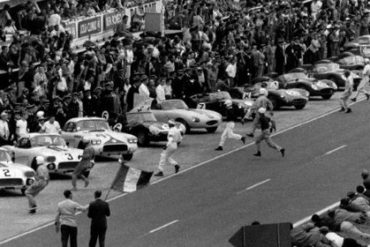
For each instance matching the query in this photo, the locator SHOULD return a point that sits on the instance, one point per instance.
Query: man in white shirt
(143, 89)
(21, 124)
(4, 129)
(160, 92)
(173, 139)
(66, 221)
(364, 84)
(51, 126)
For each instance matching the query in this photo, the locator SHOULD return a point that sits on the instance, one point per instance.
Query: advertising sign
(89, 26)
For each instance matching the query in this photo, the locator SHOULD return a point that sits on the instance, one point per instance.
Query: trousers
(166, 158)
(68, 232)
(95, 234)
(229, 133)
(265, 136)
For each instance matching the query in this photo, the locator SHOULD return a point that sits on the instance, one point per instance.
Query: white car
(58, 156)
(12, 175)
(106, 142)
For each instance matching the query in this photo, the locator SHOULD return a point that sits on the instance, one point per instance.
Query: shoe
(353, 99)
(86, 183)
(258, 154)
(32, 211)
(348, 110)
(367, 96)
(159, 174)
(250, 135)
(282, 151)
(219, 148)
(243, 139)
(341, 109)
(177, 168)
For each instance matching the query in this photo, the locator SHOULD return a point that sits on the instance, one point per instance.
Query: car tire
(212, 129)
(187, 127)
(327, 96)
(275, 104)
(128, 157)
(299, 107)
(142, 138)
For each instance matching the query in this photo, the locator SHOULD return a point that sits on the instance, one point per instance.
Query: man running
(347, 93)
(267, 126)
(364, 84)
(42, 180)
(84, 165)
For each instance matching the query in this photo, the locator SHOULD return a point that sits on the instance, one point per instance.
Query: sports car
(147, 128)
(177, 110)
(13, 175)
(279, 97)
(106, 142)
(217, 102)
(58, 156)
(359, 46)
(350, 61)
(322, 88)
(326, 69)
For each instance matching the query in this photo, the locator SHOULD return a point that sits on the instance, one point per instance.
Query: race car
(315, 87)
(177, 110)
(147, 128)
(13, 175)
(279, 97)
(59, 158)
(350, 61)
(359, 46)
(216, 101)
(106, 142)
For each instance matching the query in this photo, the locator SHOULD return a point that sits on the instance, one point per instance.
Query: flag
(129, 179)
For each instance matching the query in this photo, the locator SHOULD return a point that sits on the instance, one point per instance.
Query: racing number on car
(6, 172)
(69, 156)
(201, 106)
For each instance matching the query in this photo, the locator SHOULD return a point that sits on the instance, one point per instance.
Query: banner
(89, 26)
(112, 19)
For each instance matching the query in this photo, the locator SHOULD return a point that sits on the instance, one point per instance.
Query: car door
(160, 115)
(23, 152)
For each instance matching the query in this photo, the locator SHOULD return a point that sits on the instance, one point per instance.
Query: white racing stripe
(188, 169)
(164, 226)
(335, 149)
(254, 186)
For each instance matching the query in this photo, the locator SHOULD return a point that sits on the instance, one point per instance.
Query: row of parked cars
(147, 123)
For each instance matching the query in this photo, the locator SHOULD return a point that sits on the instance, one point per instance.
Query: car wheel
(327, 96)
(275, 104)
(128, 157)
(142, 138)
(299, 107)
(187, 127)
(212, 129)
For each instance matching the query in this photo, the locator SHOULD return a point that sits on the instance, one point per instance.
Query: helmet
(262, 110)
(228, 102)
(263, 91)
(40, 160)
(366, 60)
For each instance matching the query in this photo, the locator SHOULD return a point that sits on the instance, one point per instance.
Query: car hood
(106, 136)
(206, 113)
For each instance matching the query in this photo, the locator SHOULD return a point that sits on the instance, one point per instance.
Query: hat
(263, 91)
(228, 102)
(262, 110)
(40, 114)
(3, 114)
(40, 160)
(171, 122)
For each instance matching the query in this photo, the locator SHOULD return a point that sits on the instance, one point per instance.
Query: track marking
(306, 219)
(335, 149)
(51, 222)
(254, 186)
(164, 226)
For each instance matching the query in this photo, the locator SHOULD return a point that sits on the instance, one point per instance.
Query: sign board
(112, 19)
(89, 26)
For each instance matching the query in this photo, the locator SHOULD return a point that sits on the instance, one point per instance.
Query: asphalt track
(205, 206)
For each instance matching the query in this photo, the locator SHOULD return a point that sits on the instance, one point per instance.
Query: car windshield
(92, 125)
(4, 156)
(222, 95)
(141, 117)
(47, 140)
(174, 104)
(294, 76)
(326, 67)
(352, 60)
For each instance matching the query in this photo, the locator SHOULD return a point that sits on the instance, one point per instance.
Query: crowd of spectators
(344, 226)
(222, 44)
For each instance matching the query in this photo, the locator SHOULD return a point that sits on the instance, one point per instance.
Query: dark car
(279, 97)
(296, 79)
(147, 129)
(217, 102)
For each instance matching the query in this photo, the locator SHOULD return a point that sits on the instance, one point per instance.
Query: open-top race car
(106, 142)
(145, 126)
(14, 175)
(323, 88)
(58, 156)
(177, 110)
(279, 97)
(216, 101)
(350, 61)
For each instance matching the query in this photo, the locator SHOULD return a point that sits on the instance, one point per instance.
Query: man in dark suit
(98, 212)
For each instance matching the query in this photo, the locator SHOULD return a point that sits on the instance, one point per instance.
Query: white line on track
(188, 169)
(164, 226)
(304, 220)
(335, 149)
(254, 186)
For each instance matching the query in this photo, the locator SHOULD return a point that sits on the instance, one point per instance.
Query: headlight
(132, 140)
(282, 96)
(50, 159)
(29, 174)
(314, 87)
(29, 181)
(51, 166)
(95, 141)
(196, 120)
(292, 93)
